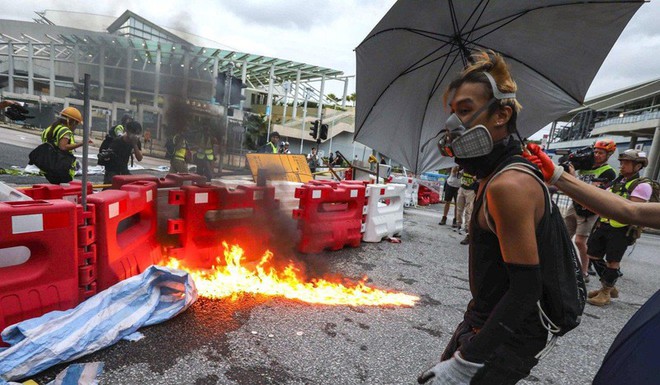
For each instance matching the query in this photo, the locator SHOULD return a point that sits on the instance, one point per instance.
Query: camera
(17, 112)
(581, 159)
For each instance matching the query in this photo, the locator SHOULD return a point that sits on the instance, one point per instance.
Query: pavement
(265, 340)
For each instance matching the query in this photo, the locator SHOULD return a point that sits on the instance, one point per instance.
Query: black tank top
(489, 279)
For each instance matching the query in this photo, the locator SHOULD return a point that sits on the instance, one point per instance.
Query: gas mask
(461, 142)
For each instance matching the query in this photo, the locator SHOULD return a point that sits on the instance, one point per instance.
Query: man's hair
(494, 64)
(134, 127)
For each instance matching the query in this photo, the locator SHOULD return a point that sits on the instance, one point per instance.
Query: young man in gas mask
(501, 332)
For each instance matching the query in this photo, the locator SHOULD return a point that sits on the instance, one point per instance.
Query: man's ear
(503, 114)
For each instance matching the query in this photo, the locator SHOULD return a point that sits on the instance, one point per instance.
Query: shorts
(609, 242)
(450, 193)
(577, 224)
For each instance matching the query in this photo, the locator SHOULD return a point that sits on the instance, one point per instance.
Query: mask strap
(479, 111)
(496, 91)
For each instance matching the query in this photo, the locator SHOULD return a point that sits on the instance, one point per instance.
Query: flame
(234, 279)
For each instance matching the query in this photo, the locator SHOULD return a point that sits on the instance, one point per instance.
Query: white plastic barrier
(412, 189)
(285, 192)
(383, 219)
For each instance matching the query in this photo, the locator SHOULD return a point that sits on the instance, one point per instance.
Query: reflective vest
(467, 180)
(273, 147)
(621, 189)
(207, 145)
(58, 133)
(589, 175)
(180, 152)
(118, 130)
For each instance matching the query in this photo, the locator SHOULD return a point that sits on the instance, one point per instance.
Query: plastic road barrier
(384, 217)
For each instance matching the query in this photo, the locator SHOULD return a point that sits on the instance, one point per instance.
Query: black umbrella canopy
(554, 49)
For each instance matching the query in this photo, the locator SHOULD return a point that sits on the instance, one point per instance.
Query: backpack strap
(522, 167)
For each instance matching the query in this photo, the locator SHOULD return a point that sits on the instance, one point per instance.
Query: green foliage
(256, 130)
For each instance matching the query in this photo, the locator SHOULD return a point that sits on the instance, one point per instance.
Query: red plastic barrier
(38, 261)
(209, 215)
(329, 217)
(170, 180)
(71, 192)
(87, 257)
(125, 232)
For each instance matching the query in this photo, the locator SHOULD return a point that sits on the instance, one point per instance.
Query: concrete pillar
(295, 99)
(320, 106)
(51, 72)
(633, 141)
(343, 99)
(129, 72)
(101, 72)
(157, 77)
(30, 69)
(244, 81)
(76, 64)
(654, 156)
(10, 71)
(186, 74)
(214, 79)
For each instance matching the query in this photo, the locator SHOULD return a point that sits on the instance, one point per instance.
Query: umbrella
(553, 47)
(634, 352)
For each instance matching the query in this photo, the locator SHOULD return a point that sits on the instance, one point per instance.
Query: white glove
(454, 371)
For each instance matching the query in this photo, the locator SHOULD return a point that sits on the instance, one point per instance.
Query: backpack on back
(564, 292)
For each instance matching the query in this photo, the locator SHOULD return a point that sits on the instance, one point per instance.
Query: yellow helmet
(72, 113)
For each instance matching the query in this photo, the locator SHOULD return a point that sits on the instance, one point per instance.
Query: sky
(326, 32)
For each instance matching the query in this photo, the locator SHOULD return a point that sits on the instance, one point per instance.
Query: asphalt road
(261, 340)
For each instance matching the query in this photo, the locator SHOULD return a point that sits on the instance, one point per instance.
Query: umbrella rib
(412, 30)
(478, 18)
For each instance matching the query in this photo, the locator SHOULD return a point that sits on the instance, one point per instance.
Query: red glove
(536, 155)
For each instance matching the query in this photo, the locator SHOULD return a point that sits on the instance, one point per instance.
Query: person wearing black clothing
(122, 148)
(500, 335)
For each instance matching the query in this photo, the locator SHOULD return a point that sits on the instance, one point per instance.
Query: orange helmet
(607, 145)
(72, 113)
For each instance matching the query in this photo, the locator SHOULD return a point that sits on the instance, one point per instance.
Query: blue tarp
(634, 357)
(154, 296)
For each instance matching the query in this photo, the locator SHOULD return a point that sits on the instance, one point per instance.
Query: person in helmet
(611, 238)
(284, 148)
(120, 129)
(600, 201)
(60, 135)
(579, 220)
(123, 147)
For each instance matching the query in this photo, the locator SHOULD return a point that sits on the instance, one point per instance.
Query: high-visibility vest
(467, 180)
(273, 147)
(207, 144)
(621, 189)
(180, 152)
(588, 175)
(58, 133)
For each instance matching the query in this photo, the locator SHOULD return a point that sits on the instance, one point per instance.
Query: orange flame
(234, 279)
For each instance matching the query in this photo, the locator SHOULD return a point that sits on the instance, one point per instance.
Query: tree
(256, 129)
(352, 98)
(333, 97)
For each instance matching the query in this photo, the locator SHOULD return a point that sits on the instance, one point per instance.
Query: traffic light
(314, 130)
(220, 88)
(324, 132)
(235, 95)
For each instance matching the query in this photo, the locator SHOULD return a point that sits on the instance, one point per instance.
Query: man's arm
(516, 204)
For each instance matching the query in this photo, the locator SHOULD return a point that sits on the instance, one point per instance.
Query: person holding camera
(579, 220)
(611, 238)
(121, 149)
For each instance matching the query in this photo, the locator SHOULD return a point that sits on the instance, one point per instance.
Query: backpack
(106, 156)
(564, 292)
(169, 148)
(54, 162)
(635, 231)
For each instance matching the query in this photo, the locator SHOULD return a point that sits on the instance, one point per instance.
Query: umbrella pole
(87, 116)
